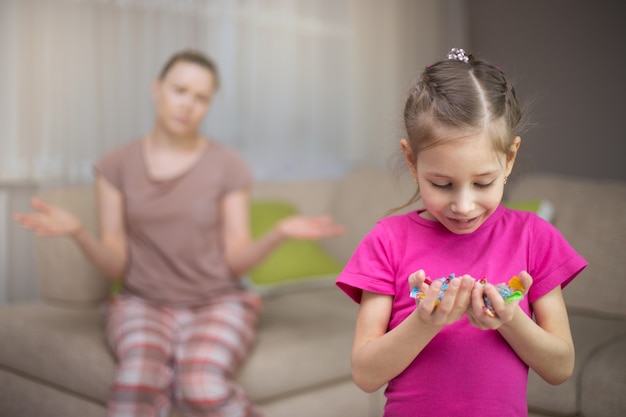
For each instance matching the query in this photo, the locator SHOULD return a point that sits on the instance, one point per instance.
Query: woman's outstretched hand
(478, 315)
(309, 227)
(453, 304)
(49, 220)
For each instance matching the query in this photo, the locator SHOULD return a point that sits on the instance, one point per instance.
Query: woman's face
(462, 181)
(183, 97)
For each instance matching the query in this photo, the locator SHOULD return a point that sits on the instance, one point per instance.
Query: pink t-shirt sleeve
(369, 267)
(553, 261)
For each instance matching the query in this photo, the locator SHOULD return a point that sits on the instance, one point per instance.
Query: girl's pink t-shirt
(463, 370)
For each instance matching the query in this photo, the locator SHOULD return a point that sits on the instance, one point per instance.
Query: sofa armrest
(603, 381)
(64, 273)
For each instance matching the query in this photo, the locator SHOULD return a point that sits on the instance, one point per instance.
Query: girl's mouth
(464, 224)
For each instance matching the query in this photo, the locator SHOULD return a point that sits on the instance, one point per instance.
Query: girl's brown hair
(454, 95)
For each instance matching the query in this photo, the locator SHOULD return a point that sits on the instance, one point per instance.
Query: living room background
(311, 88)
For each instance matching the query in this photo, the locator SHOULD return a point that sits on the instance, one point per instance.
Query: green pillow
(294, 261)
(542, 208)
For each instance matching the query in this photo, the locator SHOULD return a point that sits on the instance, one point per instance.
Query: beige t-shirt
(176, 250)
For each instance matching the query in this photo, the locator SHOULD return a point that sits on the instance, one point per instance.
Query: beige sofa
(591, 215)
(53, 360)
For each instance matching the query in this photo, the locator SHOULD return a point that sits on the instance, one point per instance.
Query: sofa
(54, 361)
(590, 214)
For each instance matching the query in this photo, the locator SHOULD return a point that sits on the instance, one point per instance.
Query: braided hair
(465, 94)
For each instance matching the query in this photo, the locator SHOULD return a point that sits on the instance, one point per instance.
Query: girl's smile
(461, 181)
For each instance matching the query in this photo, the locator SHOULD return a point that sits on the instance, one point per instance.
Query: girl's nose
(463, 203)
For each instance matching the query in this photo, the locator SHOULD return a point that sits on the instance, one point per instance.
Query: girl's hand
(477, 314)
(309, 227)
(49, 220)
(454, 303)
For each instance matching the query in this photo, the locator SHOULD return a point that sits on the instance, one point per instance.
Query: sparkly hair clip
(458, 55)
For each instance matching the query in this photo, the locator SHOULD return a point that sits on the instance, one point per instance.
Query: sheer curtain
(310, 88)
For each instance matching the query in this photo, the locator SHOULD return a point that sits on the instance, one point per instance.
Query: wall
(569, 58)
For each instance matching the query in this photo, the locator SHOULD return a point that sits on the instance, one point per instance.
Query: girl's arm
(108, 254)
(545, 344)
(243, 253)
(379, 355)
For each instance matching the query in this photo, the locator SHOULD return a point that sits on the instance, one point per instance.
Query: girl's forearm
(551, 356)
(377, 361)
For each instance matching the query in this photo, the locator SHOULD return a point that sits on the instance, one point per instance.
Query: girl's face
(461, 181)
(183, 97)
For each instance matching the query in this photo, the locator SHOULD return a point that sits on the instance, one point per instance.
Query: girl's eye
(487, 185)
(449, 185)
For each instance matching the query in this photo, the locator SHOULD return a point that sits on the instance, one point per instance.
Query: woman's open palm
(48, 220)
(309, 227)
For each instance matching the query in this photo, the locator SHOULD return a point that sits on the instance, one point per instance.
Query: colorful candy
(511, 291)
(445, 282)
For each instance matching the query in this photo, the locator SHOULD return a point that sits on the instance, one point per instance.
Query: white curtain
(310, 88)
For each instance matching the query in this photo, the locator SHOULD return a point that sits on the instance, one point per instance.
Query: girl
(454, 357)
(173, 216)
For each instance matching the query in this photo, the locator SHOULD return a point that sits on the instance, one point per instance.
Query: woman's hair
(461, 93)
(195, 57)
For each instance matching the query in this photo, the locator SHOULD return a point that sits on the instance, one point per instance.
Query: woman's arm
(243, 253)
(109, 253)
(545, 344)
(379, 355)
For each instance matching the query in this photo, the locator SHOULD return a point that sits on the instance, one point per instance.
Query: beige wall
(569, 57)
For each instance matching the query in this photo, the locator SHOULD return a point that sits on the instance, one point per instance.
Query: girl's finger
(429, 301)
(526, 280)
(416, 279)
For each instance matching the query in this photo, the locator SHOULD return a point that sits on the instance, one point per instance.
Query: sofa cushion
(603, 382)
(543, 208)
(305, 340)
(62, 346)
(360, 200)
(21, 396)
(64, 274)
(590, 215)
(590, 334)
(294, 261)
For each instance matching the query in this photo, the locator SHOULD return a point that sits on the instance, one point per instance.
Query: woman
(174, 228)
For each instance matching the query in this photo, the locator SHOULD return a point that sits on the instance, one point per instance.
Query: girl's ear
(409, 158)
(512, 154)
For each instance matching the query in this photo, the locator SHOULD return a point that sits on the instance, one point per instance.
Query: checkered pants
(188, 356)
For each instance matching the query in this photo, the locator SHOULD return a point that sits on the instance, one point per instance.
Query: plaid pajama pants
(188, 356)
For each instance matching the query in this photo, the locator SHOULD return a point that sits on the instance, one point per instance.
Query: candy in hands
(445, 282)
(511, 291)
